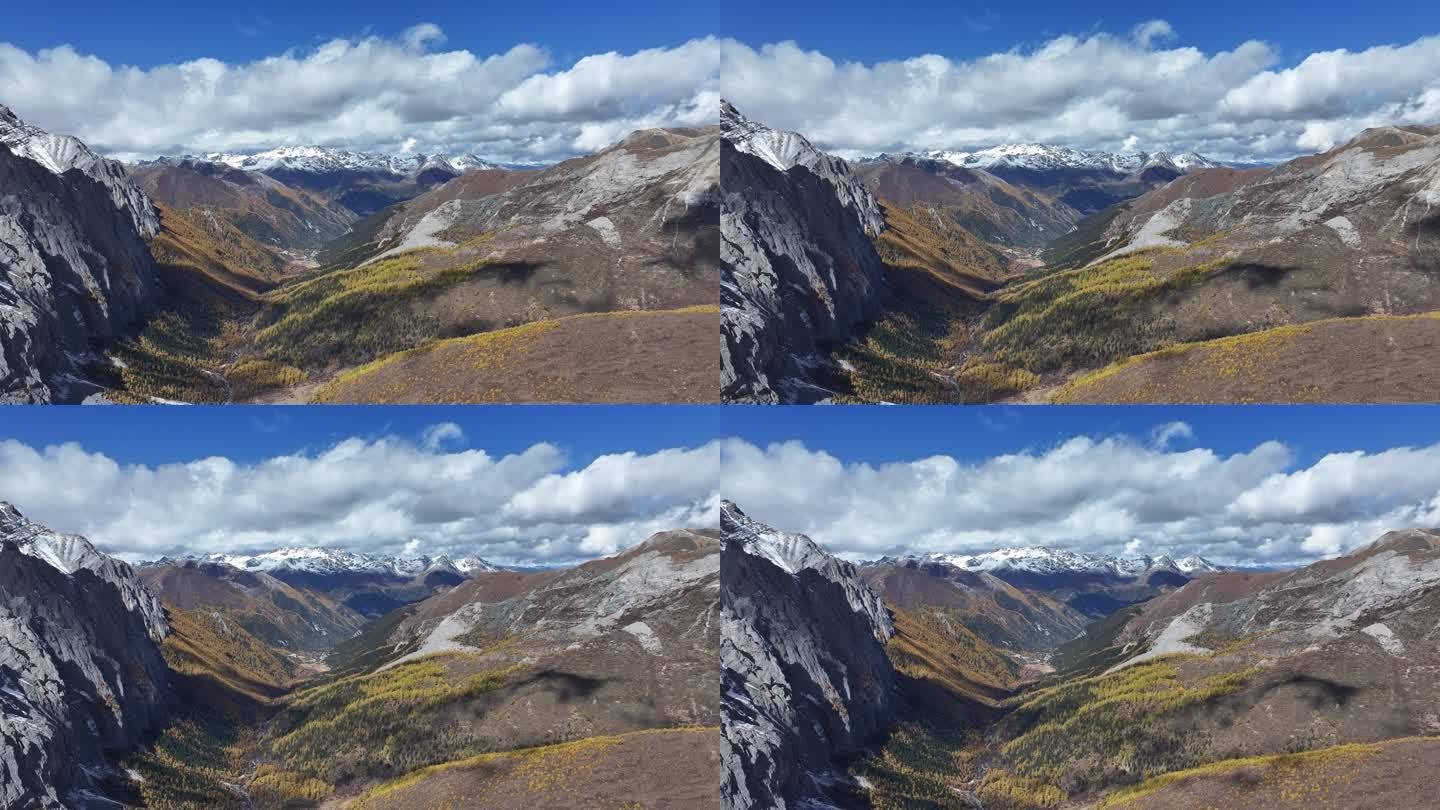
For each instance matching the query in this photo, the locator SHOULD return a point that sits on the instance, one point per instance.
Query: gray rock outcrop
(798, 268)
(74, 265)
(804, 674)
(80, 670)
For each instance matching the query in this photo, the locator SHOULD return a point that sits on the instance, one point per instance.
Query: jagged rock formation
(74, 266)
(81, 674)
(798, 266)
(59, 154)
(804, 674)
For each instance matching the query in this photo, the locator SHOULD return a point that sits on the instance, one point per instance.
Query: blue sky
(878, 435)
(869, 33)
(249, 433)
(165, 31)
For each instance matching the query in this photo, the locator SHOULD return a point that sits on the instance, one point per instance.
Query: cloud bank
(1145, 90)
(369, 93)
(387, 495)
(1106, 495)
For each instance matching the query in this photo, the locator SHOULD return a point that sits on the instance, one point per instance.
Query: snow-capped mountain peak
(791, 553)
(319, 560)
(1195, 564)
(786, 150)
(1044, 157)
(62, 153)
(1043, 560)
(65, 552)
(475, 565)
(321, 159)
(778, 148)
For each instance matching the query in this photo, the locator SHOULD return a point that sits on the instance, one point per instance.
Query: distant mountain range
(320, 159)
(317, 560)
(1042, 560)
(1037, 156)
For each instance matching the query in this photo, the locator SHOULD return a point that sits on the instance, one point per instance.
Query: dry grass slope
(639, 356)
(579, 773)
(1372, 358)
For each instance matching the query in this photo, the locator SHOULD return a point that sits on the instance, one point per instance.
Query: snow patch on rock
(1387, 639)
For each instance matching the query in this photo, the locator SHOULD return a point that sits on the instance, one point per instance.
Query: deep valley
(1031, 273)
(308, 274)
(322, 678)
(1033, 678)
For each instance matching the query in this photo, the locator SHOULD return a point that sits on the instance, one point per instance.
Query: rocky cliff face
(80, 670)
(804, 675)
(74, 266)
(798, 268)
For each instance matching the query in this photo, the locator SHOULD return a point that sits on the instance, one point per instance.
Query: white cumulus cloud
(1097, 90)
(387, 495)
(1110, 495)
(386, 94)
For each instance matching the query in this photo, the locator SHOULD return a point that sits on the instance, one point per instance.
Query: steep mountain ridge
(785, 150)
(804, 675)
(987, 206)
(272, 610)
(81, 674)
(799, 270)
(74, 267)
(59, 154)
(265, 209)
(543, 664)
(1329, 263)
